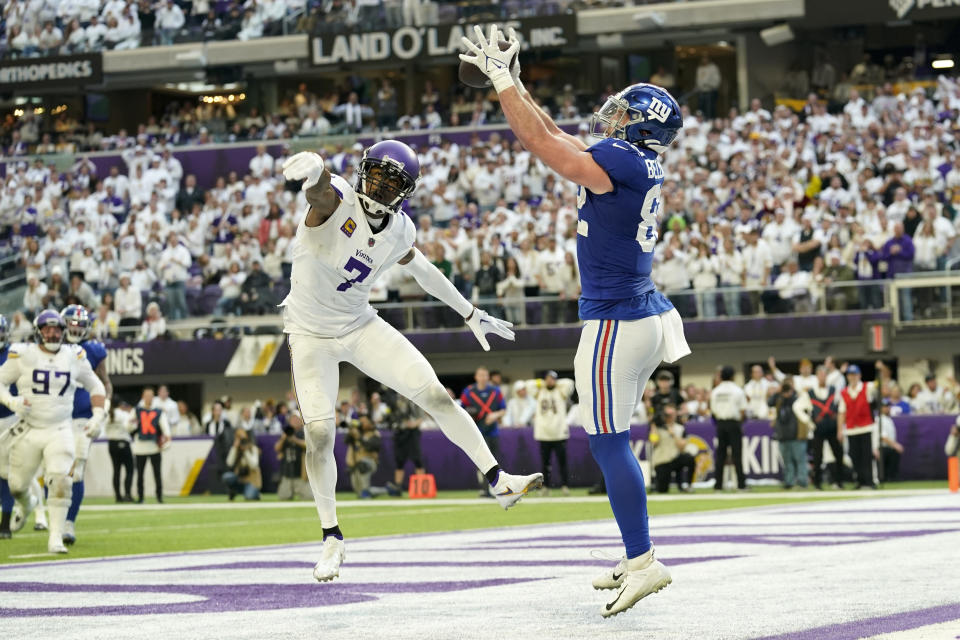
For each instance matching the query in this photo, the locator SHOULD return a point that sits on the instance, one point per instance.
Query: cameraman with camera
(363, 454)
(290, 448)
(243, 464)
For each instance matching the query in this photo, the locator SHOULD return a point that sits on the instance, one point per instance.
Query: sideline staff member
(728, 404)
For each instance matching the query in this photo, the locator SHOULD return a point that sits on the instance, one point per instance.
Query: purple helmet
(384, 192)
(76, 319)
(48, 318)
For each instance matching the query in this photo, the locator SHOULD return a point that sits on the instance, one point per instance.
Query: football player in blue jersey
(628, 326)
(7, 419)
(76, 319)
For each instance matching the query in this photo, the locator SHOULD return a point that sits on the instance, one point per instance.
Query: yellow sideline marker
(191, 477)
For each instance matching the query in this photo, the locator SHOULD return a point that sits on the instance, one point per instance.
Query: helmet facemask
(613, 118)
(383, 186)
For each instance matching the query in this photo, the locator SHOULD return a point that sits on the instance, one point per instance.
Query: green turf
(136, 529)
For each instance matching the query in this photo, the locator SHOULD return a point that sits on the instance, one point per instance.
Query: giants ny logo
(658, 110)
(902, 7)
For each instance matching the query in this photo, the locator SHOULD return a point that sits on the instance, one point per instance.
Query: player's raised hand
(515, 67)
(488, 57)
(482, 323)
(306, 166)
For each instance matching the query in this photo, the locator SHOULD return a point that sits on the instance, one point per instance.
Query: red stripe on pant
(603, 356)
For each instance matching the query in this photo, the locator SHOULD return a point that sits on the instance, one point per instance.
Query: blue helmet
(48, 318)
(4, 332)
(382, 192)
(76, 320)
(644, 114)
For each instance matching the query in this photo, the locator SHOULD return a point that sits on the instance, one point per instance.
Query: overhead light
(778, 34)
(943, 63)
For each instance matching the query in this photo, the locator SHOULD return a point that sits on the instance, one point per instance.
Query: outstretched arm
(555, 151)
(321, 196)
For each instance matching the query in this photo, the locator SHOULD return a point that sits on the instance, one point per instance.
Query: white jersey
(49, 380)
(336, 264)
(550, 417)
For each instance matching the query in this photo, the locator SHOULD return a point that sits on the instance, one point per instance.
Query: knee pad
(59, 487)
(433, 398)
(79, 466)
(320, 434)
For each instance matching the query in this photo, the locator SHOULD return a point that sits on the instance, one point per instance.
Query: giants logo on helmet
(658, 110)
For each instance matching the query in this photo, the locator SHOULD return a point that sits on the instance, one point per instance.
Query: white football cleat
(55, 546)
(509, 488)
(331, 558)
(19, 516)
(610, 579)
(69, 532)
(644, 575)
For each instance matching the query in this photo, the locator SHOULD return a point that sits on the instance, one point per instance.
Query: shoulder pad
(343, 188)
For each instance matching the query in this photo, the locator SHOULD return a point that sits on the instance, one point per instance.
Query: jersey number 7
(354, 265)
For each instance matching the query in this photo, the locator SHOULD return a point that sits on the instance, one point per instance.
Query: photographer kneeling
(243, 462)
(290, 449)
(363, 453)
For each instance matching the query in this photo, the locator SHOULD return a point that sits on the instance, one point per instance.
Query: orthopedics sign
(30, 73)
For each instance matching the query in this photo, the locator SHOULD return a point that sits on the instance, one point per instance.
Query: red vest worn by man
(858, 413)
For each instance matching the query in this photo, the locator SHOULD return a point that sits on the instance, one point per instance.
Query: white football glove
(488, 57)
(306, 166)
(482, 323)
(515, 67)
(94, 425)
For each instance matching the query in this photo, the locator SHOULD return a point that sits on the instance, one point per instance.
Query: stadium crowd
(788, 205)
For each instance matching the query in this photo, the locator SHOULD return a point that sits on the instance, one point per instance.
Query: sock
(333, 531)
(5, 520)
(493, 474)
(75, 501)
(625, 488)
(6, 498)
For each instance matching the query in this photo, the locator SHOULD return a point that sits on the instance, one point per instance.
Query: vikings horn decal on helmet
(396, 181)
(652, 117)
(76, 320)
(48, 318)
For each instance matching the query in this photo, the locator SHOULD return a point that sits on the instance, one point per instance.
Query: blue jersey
(479, 403)
(96, 353)
(616, 235)
(4, 411)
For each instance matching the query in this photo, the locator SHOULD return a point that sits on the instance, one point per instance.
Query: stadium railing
(838, 298)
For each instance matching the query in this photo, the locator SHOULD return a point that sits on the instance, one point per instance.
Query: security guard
(728, 404)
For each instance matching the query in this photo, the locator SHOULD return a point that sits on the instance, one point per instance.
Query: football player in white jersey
(345, 242)
(46, 375)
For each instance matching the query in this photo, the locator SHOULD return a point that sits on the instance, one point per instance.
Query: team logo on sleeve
(349, 227)
(658, 110)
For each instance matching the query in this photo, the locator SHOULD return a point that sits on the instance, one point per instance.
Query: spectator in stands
(173, 265)
(708, 83)
(128, 303)
(230, 284)
(34, 294)
(315, 124)
(705, 269)
(352, 114)
(520, 407)
(169, 20)
(243, 464)
(793, 288)
(484, 403)
(188, 421)
(256, 294)
(510, 292)
(933, 399)
(154, 325)
(898, 405)
(791, 435)
(669, 440)
(898, 253)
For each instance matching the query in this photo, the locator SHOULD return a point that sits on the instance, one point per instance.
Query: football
(471, 75)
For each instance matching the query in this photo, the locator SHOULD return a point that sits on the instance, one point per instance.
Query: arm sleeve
(9, 372)
(436, 284)
(801, 408)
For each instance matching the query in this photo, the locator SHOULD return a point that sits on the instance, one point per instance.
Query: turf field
(211, 522)
(764, 565)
